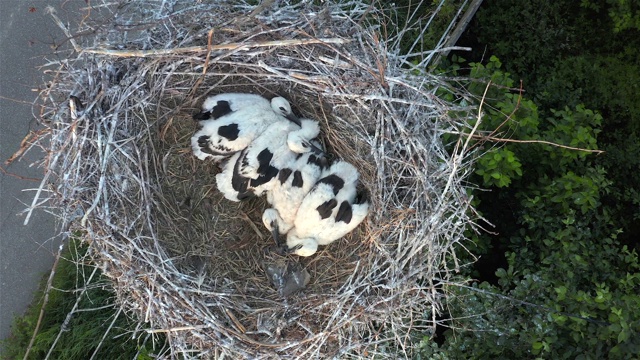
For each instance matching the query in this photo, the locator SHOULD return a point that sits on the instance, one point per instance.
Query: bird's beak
(294, 119)
(316, 150)
(295, 248)
(275, 233)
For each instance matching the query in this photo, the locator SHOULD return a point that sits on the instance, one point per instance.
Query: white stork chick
(235, 187)
(219, 138)
(329, 211)
(288, 191)
(273, 150)
(278, 146)
(217, 106)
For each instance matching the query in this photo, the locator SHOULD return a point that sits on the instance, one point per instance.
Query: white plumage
(235, 187)
(220, 137)
(288, 191)
(269, 150)
(278, 145)
(254, 170)
(224, 179)
(329, 211)
(219, 105)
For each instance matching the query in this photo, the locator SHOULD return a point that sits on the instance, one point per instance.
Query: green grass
(83, 335)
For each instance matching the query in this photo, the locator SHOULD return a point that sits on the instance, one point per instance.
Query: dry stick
(291, 78)
(508, 117)
(493, 138)
(115, 317)
(457, 157)
(526, 303)
(198, 82)
(41, 188)
(206, 60)
(4, 171)
(66, 31)
(73, 310)
(482, 137)
(265, 4)
(461, 27)
(44, 302)
(234, 46)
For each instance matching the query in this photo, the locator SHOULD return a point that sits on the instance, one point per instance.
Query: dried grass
(189, 263)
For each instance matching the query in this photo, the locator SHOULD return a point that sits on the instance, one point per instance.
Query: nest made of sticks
(189, 263)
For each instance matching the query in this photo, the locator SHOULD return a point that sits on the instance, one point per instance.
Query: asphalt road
(26, 252)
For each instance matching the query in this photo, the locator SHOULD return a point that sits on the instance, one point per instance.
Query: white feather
(289, 189)
(279, 140)
(221, 137)
(310, 229)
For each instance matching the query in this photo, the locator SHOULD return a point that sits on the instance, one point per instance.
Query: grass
(97, 329)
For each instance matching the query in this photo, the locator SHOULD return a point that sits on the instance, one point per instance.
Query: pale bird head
(282, 107)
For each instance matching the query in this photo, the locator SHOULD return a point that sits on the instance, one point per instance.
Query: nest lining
(188, 262)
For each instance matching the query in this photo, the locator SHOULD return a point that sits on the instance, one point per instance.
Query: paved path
(26, 252)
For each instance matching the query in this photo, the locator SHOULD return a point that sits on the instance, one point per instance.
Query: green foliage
(569, 290)
(80, 338)
(624, 13)
(508, 115)
(577, 53)
(499, 168)
(567, 52)
(607, 83)
(541, 39)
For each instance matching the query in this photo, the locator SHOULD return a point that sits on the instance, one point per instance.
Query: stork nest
(119, 171)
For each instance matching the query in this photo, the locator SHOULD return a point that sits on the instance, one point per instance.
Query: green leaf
(562, 292)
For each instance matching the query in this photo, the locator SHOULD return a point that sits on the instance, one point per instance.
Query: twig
(104, 336)
(209, 45)
(66, 31)
(457, 157)
(482, 137)
(526, 303)
(460, 28)
(263, 5)
(174, 329)
(26, 143)
(196, 49)
(44, 301)
(515, 108)
(4, 171)
(67, 320)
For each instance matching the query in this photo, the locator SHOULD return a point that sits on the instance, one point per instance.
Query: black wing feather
(334, 180)
(345, 213)
(230, 131)
(221, 109)
(297, 179)
(326, 208)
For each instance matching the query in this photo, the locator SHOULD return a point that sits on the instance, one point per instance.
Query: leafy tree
(569, 288)
(624, 13)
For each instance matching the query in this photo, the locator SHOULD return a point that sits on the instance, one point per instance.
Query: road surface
(26, 252)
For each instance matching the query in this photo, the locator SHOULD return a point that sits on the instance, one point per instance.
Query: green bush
(569, 289)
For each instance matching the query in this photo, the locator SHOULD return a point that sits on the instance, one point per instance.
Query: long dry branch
(198, 49)
(496, 139)
(44, 301)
